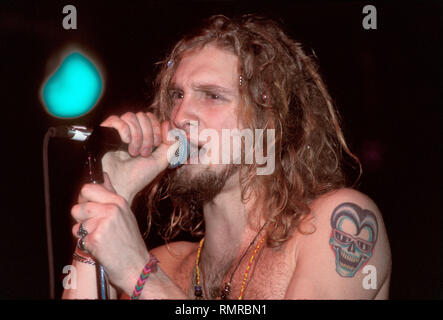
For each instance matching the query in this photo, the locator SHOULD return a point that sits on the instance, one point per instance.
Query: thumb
(107, 183)
(165, 154)
(160, 153)
(165, 128)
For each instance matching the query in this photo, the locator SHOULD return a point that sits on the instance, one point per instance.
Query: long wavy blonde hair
(309, 144)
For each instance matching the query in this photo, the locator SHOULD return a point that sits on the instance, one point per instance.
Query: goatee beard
(186, 190)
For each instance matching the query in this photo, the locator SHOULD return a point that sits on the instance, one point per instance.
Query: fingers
(147, 134)
(136, 133)
(165, 127)
(89, 226)
(98, 193)
(156, 126)
(90, 239)
(141, 131)
(84, 211)
(120, 125)
(106, 184)
(98, 203)
(108, 192)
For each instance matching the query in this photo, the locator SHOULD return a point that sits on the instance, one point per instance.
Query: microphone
(109, 136)
(101, 140)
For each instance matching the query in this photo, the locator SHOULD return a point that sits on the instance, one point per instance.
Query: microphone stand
(95, 147)
(95, 175)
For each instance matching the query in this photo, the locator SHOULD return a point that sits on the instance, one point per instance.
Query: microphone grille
(181, 153)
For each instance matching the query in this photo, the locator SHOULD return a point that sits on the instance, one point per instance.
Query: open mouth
(348, 261)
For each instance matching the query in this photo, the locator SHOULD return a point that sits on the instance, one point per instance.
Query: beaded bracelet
(150, 267)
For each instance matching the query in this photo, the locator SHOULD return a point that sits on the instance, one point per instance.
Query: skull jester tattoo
(354, 233)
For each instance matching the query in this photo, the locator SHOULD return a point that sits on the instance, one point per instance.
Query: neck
(229, 233)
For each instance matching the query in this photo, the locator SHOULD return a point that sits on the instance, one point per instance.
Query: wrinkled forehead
(207, 65)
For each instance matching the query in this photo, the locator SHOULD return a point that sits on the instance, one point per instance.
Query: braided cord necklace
(198, 292)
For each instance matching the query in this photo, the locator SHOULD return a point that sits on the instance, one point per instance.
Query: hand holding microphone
(133, 150)
(152, 147)
(113, 237)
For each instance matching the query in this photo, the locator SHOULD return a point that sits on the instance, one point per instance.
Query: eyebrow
(205, 87)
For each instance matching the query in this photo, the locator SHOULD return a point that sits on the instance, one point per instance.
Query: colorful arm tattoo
(354, 233)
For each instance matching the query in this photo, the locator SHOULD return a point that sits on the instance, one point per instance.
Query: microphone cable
(50, 133)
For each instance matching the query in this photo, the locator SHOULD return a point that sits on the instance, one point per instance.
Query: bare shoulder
(347, 241)
(348, 211)
(342, 195)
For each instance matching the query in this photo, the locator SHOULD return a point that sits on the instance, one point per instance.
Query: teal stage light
(74, 88)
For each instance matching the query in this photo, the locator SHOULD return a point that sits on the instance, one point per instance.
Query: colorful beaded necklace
(198, 292)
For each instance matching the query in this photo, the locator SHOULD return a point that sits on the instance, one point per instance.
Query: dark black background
(385, 82)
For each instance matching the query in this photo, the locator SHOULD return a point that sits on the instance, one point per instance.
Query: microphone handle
(95, 175)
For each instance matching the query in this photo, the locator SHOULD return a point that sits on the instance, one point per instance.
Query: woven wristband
(150, 267)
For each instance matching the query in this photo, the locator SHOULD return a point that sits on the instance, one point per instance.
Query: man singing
(290, 230)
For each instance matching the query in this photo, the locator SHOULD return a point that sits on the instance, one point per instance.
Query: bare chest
(266, 277)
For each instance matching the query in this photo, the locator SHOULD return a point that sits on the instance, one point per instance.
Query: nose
(183, 113)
